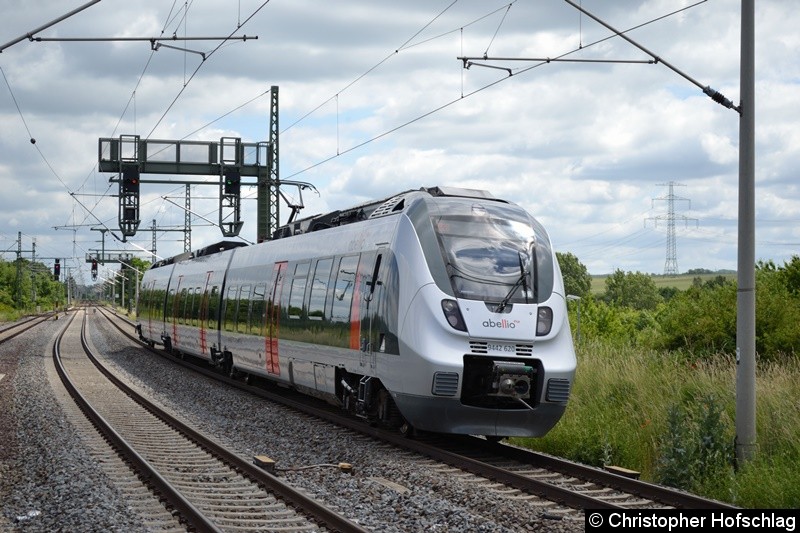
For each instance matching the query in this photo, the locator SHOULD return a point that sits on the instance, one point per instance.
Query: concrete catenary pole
(746, 298)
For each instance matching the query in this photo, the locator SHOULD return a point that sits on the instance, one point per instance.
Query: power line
(462, 96)
(200, 65)
(371, 69)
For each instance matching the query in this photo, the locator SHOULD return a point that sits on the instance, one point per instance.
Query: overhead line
(713, 94)
(90, 212)
(463, 96)
(199, 66)
(371, 69)
(125, 110)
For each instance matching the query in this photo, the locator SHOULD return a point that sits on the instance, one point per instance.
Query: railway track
(9, 332)
(515, 472)
(204, 486)
(573, 484)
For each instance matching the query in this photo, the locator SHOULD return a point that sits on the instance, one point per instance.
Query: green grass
(673, 419)
(9, 314)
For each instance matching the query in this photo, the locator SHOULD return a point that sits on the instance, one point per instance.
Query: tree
(629, 289)
(577, 280)
(701, 320)
(790, 274)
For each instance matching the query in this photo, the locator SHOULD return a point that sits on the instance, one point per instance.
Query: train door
(150, 306)
(203, 322)
(372, 291)
(273, 314)
(176, 306)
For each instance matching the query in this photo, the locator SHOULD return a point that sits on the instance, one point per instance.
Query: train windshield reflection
(487, 256)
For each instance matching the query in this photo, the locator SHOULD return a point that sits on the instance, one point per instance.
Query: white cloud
(720, 149)
(583, 146)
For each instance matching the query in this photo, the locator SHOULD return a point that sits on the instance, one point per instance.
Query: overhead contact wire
(478, 90)
(199, 66)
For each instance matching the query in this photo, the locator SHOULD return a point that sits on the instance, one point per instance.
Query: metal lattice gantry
(131, 157)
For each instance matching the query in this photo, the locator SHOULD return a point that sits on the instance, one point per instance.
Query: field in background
(680, 282)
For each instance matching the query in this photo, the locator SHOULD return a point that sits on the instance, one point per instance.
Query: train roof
(206, 250)
(374, 209)
(368, 210)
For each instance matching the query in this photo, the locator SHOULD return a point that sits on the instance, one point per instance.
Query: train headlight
(453, 315)
(544, 321)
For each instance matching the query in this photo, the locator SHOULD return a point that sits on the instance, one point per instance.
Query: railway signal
(94, 269)
(129, 200)
(233, 181)
(130, 180)
(57, 270)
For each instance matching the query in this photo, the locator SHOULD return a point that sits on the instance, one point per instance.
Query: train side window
(142, 304)
(195, 307)
(150, 302)
(343, 288)
(177, 308)
(187, 306)
(212, 315)
(158, 303)
(298, 291)
(229, 323)
(170, 307)
(243, 305)
(184, 299)
(257, 308)
(319, 289)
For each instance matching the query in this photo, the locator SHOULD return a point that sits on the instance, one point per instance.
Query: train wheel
(383, 406)
(227, 364)
(407, 430)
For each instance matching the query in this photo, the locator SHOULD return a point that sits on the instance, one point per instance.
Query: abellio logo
(502, 324)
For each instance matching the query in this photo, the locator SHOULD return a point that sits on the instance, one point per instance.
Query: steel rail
(23, 326)
(308, 506)
(650, 491)
(191, 515)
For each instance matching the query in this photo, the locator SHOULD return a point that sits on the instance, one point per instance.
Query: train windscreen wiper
(522, 280)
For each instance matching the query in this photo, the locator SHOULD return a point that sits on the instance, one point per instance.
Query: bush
(612, 324)
(696, 448)
(635, 290)
(701, 320)
(576, 276)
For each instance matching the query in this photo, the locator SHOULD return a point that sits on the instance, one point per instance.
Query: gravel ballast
(48, 481)
(388, 490)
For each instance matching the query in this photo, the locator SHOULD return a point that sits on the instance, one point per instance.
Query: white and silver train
(439, 309)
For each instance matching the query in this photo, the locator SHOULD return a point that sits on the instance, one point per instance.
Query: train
(440, 309)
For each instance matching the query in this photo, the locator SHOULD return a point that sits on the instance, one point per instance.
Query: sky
(373, 101)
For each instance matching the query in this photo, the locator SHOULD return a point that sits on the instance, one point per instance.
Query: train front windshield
(495, 253)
